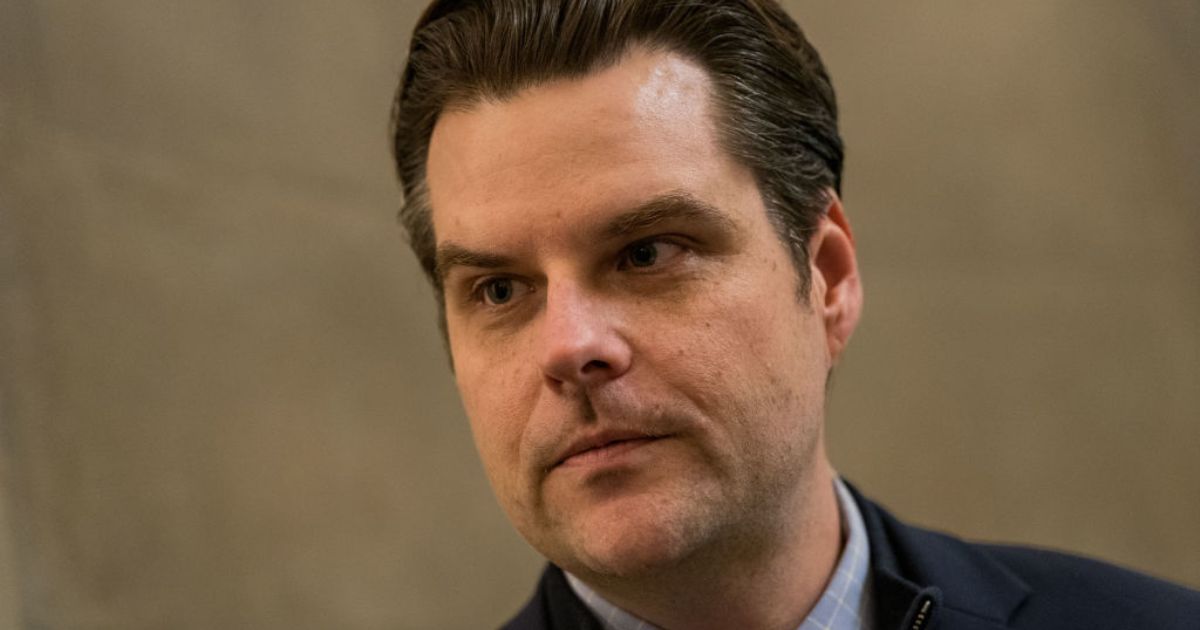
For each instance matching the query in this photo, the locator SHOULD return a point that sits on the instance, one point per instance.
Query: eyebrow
(451, 255)
(674, 206)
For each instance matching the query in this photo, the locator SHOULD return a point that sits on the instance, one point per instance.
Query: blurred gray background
(223, 399)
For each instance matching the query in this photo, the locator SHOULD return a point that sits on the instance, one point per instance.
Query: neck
(765, 582)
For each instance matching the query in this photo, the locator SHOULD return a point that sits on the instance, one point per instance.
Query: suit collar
(919, 575)
(554, 606)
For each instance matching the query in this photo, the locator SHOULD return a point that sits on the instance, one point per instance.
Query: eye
(498, 291)
(649, 253)
(643, 254)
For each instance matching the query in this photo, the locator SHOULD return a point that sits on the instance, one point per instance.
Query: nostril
(594, 365)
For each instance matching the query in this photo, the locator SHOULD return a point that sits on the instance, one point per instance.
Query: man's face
(641, 378)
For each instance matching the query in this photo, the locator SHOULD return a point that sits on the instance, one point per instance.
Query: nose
(581, 344)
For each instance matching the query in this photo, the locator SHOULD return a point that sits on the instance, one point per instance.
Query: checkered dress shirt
(845, 604)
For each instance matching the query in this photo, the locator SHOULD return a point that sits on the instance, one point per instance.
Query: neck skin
(770, 582)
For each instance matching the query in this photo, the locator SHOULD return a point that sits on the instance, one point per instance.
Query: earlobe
(835, 270)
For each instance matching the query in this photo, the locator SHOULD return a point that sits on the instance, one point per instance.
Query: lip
(601, 446)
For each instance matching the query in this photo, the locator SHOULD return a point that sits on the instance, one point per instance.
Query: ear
(837, 288)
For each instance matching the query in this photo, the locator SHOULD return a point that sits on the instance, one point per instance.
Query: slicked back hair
(773, 103)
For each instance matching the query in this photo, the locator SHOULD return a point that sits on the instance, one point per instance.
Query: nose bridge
(580, 341)
(566, 306)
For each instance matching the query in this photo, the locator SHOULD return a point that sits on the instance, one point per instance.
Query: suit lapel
(965, 587)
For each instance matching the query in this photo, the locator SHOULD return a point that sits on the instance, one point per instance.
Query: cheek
(497, 408)
(751, 349)
(750, 325)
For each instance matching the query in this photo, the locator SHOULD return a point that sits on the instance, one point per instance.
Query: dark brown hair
(775, 106)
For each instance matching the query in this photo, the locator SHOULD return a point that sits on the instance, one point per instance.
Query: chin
(633, 538)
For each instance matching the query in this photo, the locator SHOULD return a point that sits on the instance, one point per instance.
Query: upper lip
(598, 439)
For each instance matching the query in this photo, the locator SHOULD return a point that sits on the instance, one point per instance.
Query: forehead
(563, 149)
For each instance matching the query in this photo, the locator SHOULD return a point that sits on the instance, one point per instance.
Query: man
(629, 210)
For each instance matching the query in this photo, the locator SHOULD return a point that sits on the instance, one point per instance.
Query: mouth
(603, 448)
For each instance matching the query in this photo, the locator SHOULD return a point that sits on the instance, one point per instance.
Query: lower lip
(608, 454)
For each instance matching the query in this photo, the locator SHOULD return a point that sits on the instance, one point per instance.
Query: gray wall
(223, 401)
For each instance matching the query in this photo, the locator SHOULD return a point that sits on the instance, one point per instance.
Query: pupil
(500, 291)
(644, 255)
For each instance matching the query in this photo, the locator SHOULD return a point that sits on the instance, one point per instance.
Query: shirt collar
(845, 604)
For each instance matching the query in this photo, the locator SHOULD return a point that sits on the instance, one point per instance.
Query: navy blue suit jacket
(924, 580)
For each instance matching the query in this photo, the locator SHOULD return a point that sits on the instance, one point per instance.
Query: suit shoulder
(1112, 596)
